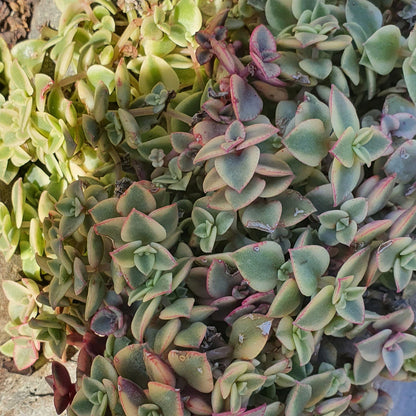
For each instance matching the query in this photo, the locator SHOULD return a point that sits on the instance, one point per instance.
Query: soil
(15, 17)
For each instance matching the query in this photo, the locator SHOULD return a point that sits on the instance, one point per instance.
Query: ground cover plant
(214, 202)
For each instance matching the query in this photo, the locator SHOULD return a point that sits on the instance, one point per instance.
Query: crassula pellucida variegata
(215, 203)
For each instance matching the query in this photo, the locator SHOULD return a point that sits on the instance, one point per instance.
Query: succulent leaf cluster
(214, 201)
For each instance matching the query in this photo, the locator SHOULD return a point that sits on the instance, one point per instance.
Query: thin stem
(142, 111)
(71, 79)
(178, 115)
(133, 25)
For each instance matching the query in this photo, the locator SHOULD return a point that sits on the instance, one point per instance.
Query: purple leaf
(246, 102)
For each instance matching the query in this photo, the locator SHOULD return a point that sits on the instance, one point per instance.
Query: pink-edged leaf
(370, 349)
(343, 114)
(319, 311)
(344, 180)
(393, 358)
(211, 150)
(131, 396)
(25, 352)
(343, 148)
(246, 102)
(236, 169)
(237, 200)
(404, 224)
(270, 165)
(167, 398)
(194, 367)
(370, 231)
(257, 133)
(141, 227)
(157, 369)
(266, 256)
(309, 263)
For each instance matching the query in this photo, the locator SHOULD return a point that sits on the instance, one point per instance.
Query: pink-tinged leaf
(211, 150)
(246, 102)
(355, 265)
(398, 321)
(257, 133)
(219, 281)
(167, 398)
(295, 208)
(194, 367)
(213, 181)
(370, 231)
(270, 165)
(319, 311)
(136, 197)
(266, 256)
(130, 365)
(402, 162)
(166, 335)
(157, 369)
(388, 252)
(308, 142)
(366, 371)
(343, 148)
(287, 299)
(258, 411)
(343, 114)
(237, 200)
(263, 44)
(380, 195)
(197, 405)
(236, 169)
(370, 349)
(297, 399)
(404, 224)
(25, 352)
(180, 308)
(393, 358)
(111, 229)
(249, 335)
(143, 316)
(141, 227)
(191, 337)
(344, 180)
(131, 396)
(338, 405)
(238, 313)
(309, 263)
(206, 130)
(262, 215)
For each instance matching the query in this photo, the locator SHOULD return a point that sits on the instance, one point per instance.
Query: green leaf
(238, 200)
(235, 169)
(167, 398)
(365, 14)
(187, 13)
(266, 256)
(297, 399)
(194, 367)
(308, 142)
(295, 208)
(383, 59)
(319, 311)
(343, 114)
(262, 215)
(343, 149)
(135, 197)
(154, 70)
(249, 335)
(318, 68)
(287, 299)
(309, 263)
(97, 73)
(344, 180)
(141, 227)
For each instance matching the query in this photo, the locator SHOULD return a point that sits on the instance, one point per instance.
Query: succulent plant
(215, 203)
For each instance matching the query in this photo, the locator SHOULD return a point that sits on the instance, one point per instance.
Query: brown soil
(15, 16)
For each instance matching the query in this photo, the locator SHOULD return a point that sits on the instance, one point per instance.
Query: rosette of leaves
(74, 273)
(354, 146)
(142, 228)
(340, 226)
(398, 255)
(210, 225)
(98, 392)
(233, 389)
(314, 31)
(388, 347)
(236, 167)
